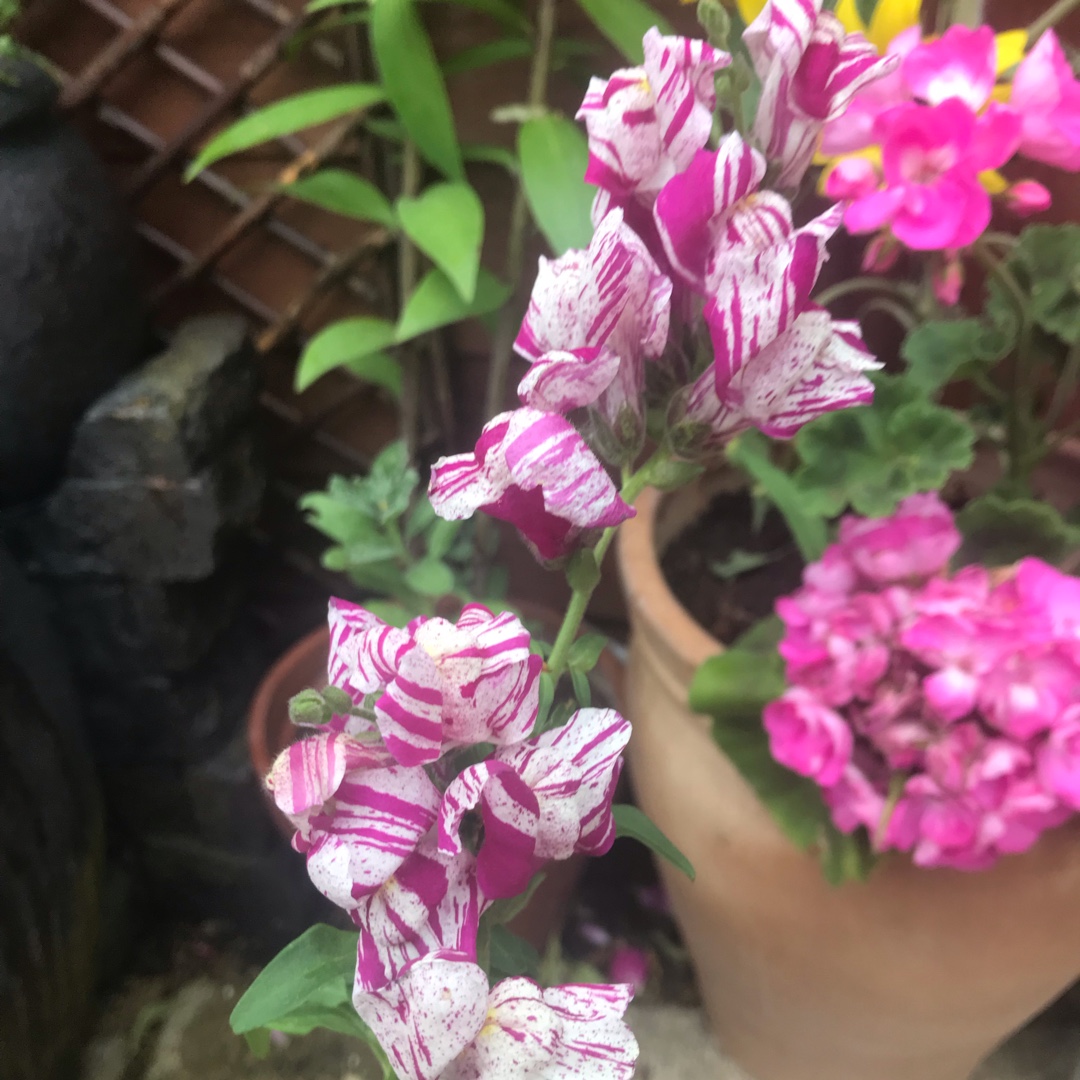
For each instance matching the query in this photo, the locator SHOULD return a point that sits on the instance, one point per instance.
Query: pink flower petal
(560, 381)
(962, 63)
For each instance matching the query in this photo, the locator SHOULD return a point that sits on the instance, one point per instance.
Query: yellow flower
(890, 18)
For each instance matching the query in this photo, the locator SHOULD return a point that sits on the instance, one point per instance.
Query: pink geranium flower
(535, 471)
(961, 64)
(808, 737)
(1046, 95)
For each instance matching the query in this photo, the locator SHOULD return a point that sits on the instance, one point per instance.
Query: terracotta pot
(269, 731)
(913, 975)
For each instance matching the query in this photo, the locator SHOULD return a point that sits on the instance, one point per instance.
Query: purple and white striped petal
(510, 813)
(561, 1033)
(410, 713)
(816, 367)
(378, 651)
(646, 123)
(690, 209)
(810, 69)
(613, 294)
(431, 903)
(428, 1016)
(535, 471)
(759, 292)
(573, 771)
(564, 380)
(372, 825)
(346, 621)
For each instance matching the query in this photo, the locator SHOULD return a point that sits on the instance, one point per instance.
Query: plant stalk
(408, 270)
(1051, 17)
(866, 283)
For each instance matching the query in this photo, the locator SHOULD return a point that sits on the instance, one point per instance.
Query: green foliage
(872, 457)
(510, 955)
(435, 302)
(414, 83)
(554, 152)
(585, 653)
(307, 985)
(750, 451)
(940, 350)
(624, 22)
(632, 822)
(733, 688)
(285, 117)
(356, 344)
(1046, 262)
(343, 192)
(446, 222)
(487, 54)
(999, 531)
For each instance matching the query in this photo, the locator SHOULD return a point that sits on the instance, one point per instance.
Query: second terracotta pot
(913, 975)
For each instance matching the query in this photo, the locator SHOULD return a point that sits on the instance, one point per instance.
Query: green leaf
(936, 350)
(297, 975)
(430, 577)
(554, 153)
(738, 682)
(582, 572)
(632, 822)
(488, 54)
(1047, 262)
(866, 8)
(582, 690)
(322, 5)
(502, 911)
(750, 451)
(347, 343)
(670, 474)
(624, 22)
(390, 612)
(420, 519)
(441, 537)
(345, 193)
(740, 562)
(487, 154)
(390, 483)
(586, 651)
(999, 531)
(285, 117)
(544, 702)
(435, 302)
(931, 443)
(258, 1041)
(414, 84)
(446, 222)
(511, 956)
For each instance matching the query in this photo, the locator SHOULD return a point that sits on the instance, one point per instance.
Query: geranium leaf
(936, 350)
(285, 117)
(446, 222)
(1047, 263)
(632, 822)
(999, 531)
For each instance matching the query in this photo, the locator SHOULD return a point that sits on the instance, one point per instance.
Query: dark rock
(167, 419)
(72, 320)
(149, 528)
(127, 627)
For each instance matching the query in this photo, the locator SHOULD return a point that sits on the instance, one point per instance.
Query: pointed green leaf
(553, 154)
(487, 54)
(487, 154)
(624, 22)
(585, 653)
(435, 302)
(298, 973)
(446, 222)
(582, 689)
(286, 116)
(350, 342)
(323, 5)
(414, 84)
(511, 955)
(430, 577)
(632, 822)
(345, 193)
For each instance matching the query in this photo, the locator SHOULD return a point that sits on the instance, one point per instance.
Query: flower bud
(1027, 197)
(308, 708)
(852, 178)
(337, 700)
(881, 254)
(948, 280)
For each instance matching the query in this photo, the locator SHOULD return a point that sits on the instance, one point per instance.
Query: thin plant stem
(633, 484)
(408, 269)
(865, 283)
(1051, 17)
(1063, 391)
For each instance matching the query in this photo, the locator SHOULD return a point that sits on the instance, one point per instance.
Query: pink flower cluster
(686, 239)
(416, 848)
(939, 129)
(941, 712)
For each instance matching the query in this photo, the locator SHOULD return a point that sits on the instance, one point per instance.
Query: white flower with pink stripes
(440, 1021)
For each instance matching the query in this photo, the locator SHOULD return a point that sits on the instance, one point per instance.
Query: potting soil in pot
(728, 570)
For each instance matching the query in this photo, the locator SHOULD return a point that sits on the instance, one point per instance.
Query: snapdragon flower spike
(535, 471)
(440, 1021)
(441, 684)
(810, 69)
(432, 902)
(646, 123)
(540, 800)
(359, 815)
(566, 379)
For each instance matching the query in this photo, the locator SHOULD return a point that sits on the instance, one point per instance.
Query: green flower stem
(1063, 391)
(1051, 17)
(866, 283)
(1025, 444)
(633, 484)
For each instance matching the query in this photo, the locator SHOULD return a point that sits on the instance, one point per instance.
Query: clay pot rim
(648, 589)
